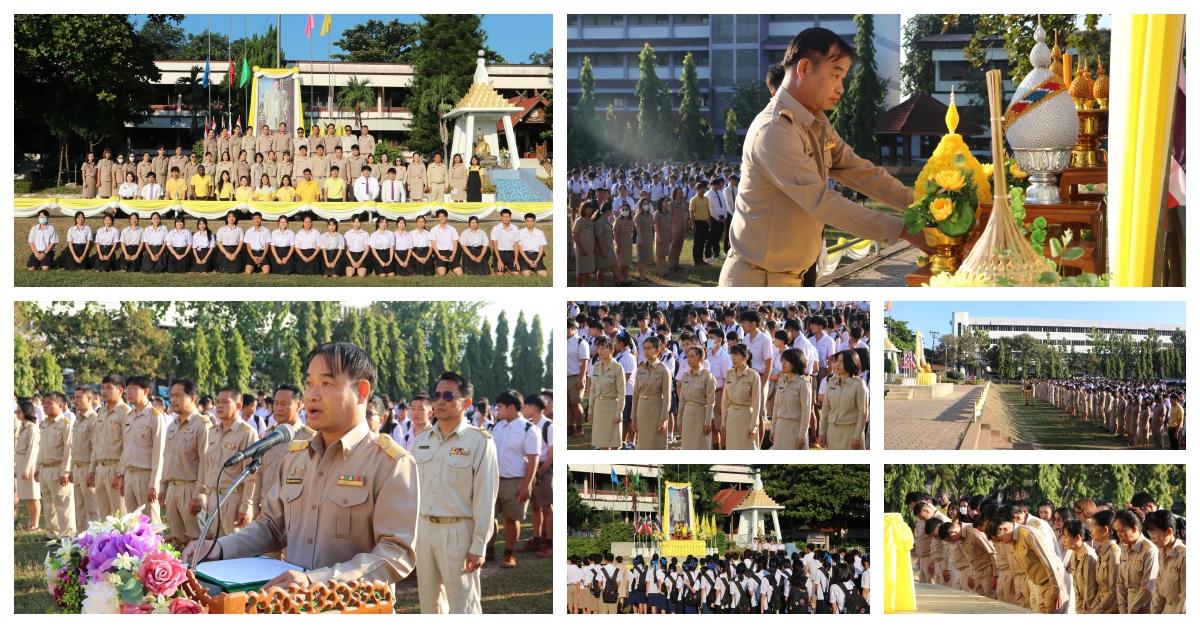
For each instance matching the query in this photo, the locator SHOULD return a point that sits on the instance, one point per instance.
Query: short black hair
(816, 44)
(510, 398)
(536, 400)
(141, 381)
(464, 387)
(115, 380)
(345, 358)
(187, 385)
(775, 75)
(295, 390)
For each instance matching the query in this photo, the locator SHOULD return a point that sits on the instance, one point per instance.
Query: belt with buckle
(658, 397)
(599, 398)
(128, 469)
(178, 482)
(437, 519)
(738, 406)
(50, 464)
(110, 461)
(694, 403)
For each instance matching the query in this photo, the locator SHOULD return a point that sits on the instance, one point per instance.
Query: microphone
(281, 434)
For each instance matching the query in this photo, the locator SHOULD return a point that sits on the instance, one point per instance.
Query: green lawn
(528, 588)
(56, 278)
(1042, 424)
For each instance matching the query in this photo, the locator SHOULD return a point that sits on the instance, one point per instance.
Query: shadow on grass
(1047, 427)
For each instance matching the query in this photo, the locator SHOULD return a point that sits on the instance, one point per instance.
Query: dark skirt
(301, 267)
(67, 261)
(402, 263)
(47, 261)
(207, 265)
(246, 261)
(474, 187)
(635, 598)
(419, 268)
(106, 265)
(658, 600)
(281, 268)
(373, 265)
(130, 265)
(177, 265)
(482, 267)
(357, 260)
(150, 265)
(455, 261)
(336, 268)
(226, 265)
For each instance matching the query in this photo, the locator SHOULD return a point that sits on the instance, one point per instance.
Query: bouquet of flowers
(949, 202)
(119, 565)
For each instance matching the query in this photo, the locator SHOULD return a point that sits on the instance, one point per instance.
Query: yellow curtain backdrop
(458, 212)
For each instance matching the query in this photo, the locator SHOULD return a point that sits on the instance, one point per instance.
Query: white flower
(125, 561)
(51, 574)
(100, 597)
(114, 580)
(65, 546)
(162, 606)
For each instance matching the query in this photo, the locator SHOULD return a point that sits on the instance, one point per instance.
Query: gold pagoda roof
(758, 498)
(483, 96)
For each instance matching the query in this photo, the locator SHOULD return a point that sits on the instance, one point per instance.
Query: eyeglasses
(444, 396)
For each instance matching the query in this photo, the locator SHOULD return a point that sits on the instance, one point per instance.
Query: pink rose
(184, 606)
(161, 573)
(136, 609)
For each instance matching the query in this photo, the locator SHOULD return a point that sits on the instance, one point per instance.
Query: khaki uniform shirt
(1138, 577)
(187, 447)
(54, 447)
(416, 176)
(699, 388)
(784, 202)
(108, 434)
(1031, 557)
(344, 512)
(268, 474)
(145, 441)
(366, 144)
(280, 143)
(223, 443)
(845, 403)
(1170, 594)
(436, 173)
(1108, 579)
(980, 551)
(793, 398)
(1083, 575)
(459, 477)
(81, 442)
(742, 389)
(651, 382)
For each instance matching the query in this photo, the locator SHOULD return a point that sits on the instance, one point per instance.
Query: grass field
(64, 278)
(528, 588)
(1042, 424)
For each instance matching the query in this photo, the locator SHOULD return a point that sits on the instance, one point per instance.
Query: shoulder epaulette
(787, 115)
(297, 445)
(390, 447)
(486, 433)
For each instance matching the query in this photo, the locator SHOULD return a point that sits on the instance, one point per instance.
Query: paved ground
(935, 598)
(927, 423)
(1040, 424)
(886, 270)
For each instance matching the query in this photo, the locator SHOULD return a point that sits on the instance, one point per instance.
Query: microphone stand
(249, 469)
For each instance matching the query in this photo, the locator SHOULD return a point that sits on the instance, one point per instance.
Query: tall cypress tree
(859, 109)
(500, 355)
(536, 341)
(399, 363)
(202, 352)
(582, 147)
(486, 379)
(238, 357)
(219, 373)
(293, 361)
(548, 369)
(691, 135)
(443, 341)
(418, 362)
(521, 359)
(46, 372)
(449, 47)
(729, 141)
(649, 89)
(24, 382)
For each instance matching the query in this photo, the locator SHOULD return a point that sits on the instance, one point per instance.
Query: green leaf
(960, 221)
(1040, 222)
(1048, 277)
(1056, 248)
(1073, 253)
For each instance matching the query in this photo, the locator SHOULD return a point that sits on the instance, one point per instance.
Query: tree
(418, 361)
(376, 41)
(902, 337)
(293, 362)
(444, 347)
(691, 136)
(819, 494)
(749, 98)
(548, 373)
(486, 380)
(202, 45)
(162, 35)
(24, 380)
(357, 96)
(862, 103)
(436, 97)
(220, 368)
(193, 93)
(729, 142)
(916, 73)
(582, 147)
(239, 358)
(448, 47)
(500, 354)
(649, 90)
(1015, 31)
(85, 76)
(46, 372)
(202, 374)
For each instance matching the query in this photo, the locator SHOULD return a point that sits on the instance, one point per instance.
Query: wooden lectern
(352, 598)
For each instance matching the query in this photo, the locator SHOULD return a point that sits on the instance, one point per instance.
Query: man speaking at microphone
(346, 501)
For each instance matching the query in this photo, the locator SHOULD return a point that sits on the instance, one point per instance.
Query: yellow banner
(457, 212)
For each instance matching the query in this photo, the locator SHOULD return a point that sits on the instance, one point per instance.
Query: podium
(351, 598)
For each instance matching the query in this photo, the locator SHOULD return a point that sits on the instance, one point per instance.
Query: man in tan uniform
(186, 450)
(286, 410)
(319, 164)
(161, 164)
(459, 479)
(437, 179)
(366, 141)
(144, 168)
(415, 176)
(54, 464)
(86, 507)
(280, 142)
(108, 436)
(339, 161)
(348, 499)
(228, 436)
(142, 454)
(264, 143)
(1037, 560)
(178, 160)
(791, 150)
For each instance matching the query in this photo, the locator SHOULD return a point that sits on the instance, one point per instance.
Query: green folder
(242, 574)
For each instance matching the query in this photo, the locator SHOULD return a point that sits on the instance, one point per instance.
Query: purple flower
(104, 549)
(141, 539)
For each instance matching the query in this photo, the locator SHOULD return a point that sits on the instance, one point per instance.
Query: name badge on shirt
(297, 476)
(459, 451)
(350, 480)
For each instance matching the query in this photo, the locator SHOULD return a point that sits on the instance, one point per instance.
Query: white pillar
(514, 156)
(470, 139)
(775, 520)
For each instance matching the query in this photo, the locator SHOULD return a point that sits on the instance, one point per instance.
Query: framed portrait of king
(275, 98)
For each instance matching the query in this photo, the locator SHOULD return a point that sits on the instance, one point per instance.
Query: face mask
(43, 220)
(962, 510)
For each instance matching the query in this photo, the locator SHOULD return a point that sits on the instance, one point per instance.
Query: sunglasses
(444, 396)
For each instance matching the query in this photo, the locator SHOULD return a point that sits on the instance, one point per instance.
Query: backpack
(690, 596)
(546, 431)
(710, 598)
(610, 588)
(775, 605)
(797, 601)
(744, 603)
(727, 599)
(639, 579)
(854, 603)
(595, 586)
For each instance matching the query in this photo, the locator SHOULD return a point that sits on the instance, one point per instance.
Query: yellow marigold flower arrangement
(941, 208)
(950, 180)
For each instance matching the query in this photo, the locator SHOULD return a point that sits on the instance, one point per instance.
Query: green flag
(244, 73)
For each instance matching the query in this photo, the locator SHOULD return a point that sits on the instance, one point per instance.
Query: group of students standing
(751, 377)
(1146, 415)
(746, 582)
(385, 251)
(1089, 557)
(651, 209)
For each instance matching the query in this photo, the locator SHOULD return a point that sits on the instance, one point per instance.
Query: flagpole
(208, 76)
(229, 81)
(278, 26)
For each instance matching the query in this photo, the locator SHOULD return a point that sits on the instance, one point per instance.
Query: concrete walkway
(935, 598)
(927, 423)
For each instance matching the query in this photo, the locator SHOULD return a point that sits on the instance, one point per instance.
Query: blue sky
(513, 36)
(935, 315)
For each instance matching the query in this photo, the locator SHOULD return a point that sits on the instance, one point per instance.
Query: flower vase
(947, 250)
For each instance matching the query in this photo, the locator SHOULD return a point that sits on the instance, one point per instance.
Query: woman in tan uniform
(26, 450)
(1170, 593)
(583, 234)
(697, 396)
(644, 221)
(606, 255)
(741, 401)
(606, 397)
(1083, 563)
(793, 402)
(662, 237)
(844, 411)
(1139, 566)
(623, 239)
(652, 397)
(458, 179)
(1108, 562)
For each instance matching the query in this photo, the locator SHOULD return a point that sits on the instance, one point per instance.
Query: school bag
(710, 598)
(610, 588)
(744, 604)
(639, 579)
(727, 599)
(854, 603)
(797, 601)
(690, 596)
(595, 586)
(775, 604)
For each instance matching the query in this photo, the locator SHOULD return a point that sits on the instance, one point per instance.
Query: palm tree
(192, 96)
(357, 96)
(437, 97)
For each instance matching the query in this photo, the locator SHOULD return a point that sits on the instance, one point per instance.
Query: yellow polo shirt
(308, 190)
(201, 184)
(335, 188)
(286, 193)
(176, 189)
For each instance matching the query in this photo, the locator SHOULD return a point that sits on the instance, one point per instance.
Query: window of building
(747, 28)
(722, 67)
(722, 29)
(691, 20)
(648, 20)
(954, 70)
(572, 19)
(747, 65)
(602, 20)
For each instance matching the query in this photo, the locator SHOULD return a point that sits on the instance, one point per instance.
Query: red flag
(239, 121)
(230, 70)
(308, 27)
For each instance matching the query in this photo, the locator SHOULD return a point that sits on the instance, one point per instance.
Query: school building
(1068, 334)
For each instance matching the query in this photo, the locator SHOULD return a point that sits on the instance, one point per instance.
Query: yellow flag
(327, 24)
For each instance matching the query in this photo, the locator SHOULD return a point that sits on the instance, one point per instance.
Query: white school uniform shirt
(837, 597)
(282, 238)
(154, 236)
(760, 349)
(825, 348)
(504, 237)
(577, 349)
(719, 365)
(473, 237)
(548, 442)
(404, 241)
(420, 238)
(107, 235)
(818, 584)
(392, 191)
(625, 359)
(202, 239)
(179, 238)
(513, 443)
(382, 239)
(331, 241)
(573, 573)
(531, 240)
(306, 239)
(717, 204)
(230, 235)
(128, 189)
(366, 188)
(43, 236)
(356, 240)
(444, 236)
(79, 235)
(257, 238)
(654, 580)
(811, 358)
(130, 236)
(152, 191)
